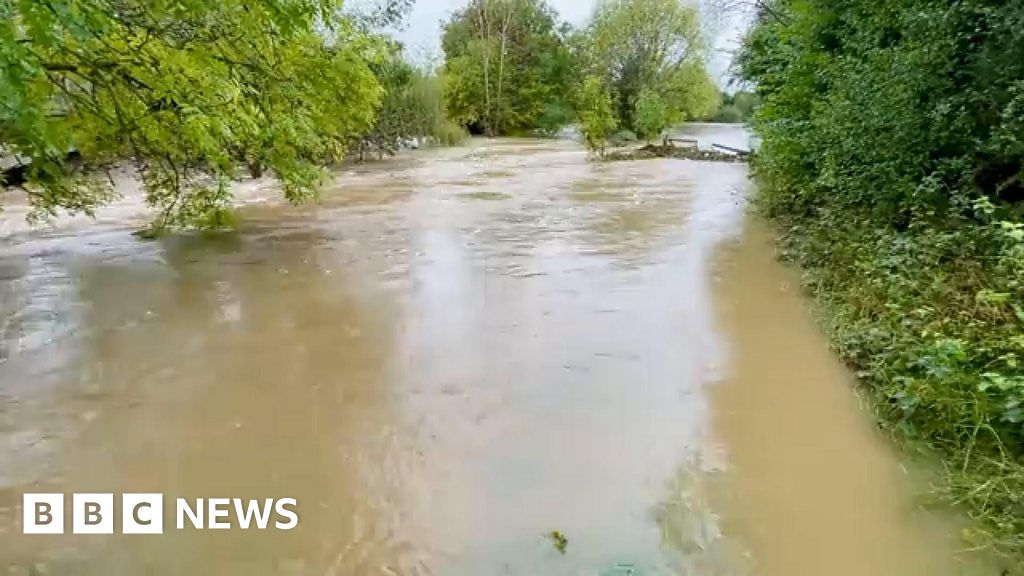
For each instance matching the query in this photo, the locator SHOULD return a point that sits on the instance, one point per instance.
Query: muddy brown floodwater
(453, 355)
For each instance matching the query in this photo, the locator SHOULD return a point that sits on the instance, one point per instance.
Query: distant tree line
(734, 108)
(637, 66)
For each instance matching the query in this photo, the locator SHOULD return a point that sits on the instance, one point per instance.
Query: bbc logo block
(98, 513)
(43, 514)
(142, 513)
(92, 514)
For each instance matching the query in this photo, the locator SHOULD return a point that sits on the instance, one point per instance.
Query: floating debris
(558, 540)
(668, 151)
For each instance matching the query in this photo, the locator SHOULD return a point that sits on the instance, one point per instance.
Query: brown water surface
(451, 356)
(814, 488)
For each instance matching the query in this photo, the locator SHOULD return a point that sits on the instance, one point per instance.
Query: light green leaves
(185, 89)
(597, 120)
(652, 114)
(652, 50)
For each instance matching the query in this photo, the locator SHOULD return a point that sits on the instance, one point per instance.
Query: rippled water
(451, 356)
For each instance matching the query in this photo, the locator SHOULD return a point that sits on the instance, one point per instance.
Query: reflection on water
(448, 358)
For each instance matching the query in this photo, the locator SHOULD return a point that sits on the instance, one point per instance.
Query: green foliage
(382, 13)
(558, 540)
(652, 114)
(186, 89)
(449, 133)
(506, 67)
(745, 102)
(431, 115)
(509, 68)
(597, 119)
(555, 116)
(892, 154)
(412, 107)
(729, 114)
(651, 48)
(189, 90)
(735, 108)
(399, 116)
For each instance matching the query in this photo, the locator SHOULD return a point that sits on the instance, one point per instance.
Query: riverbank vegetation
(507, 68)
(193, 91)
(650, 56)
(189, 91)
(893, 159)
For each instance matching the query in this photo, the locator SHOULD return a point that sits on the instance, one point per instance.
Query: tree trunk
(255, 168)
(485, 34)
(501, 64)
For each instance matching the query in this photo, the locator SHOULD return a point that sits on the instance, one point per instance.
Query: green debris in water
(559, 540)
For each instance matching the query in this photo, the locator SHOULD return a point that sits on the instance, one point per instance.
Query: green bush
(554, 117)
(449, 133)
(597, 120)
(892, 156)
(930, 319)
(651, 114)
(729, 114)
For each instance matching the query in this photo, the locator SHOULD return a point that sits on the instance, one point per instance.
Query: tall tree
(652, 49)
(505, 65)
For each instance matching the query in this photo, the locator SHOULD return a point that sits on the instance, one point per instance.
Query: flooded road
(454, 355)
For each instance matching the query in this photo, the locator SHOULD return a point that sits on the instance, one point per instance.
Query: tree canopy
(597, 117)
(652, 54)
(511, 68)
(908, 107)
(506, 66)
(185, 88)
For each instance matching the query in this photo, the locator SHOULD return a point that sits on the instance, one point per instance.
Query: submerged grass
(931, 319)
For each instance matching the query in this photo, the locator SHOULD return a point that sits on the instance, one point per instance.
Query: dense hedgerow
(892, 155)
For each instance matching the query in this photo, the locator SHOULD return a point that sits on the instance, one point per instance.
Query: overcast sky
(422, 30)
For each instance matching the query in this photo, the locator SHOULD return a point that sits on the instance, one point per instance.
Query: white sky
(422, 32)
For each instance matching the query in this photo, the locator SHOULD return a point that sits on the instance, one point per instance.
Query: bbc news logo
(144, 513)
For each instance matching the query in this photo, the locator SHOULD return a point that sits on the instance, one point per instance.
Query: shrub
(652, 114)
(729, 114)
(554, 117)
(892, 156)
(597, 119)
(449, 133)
